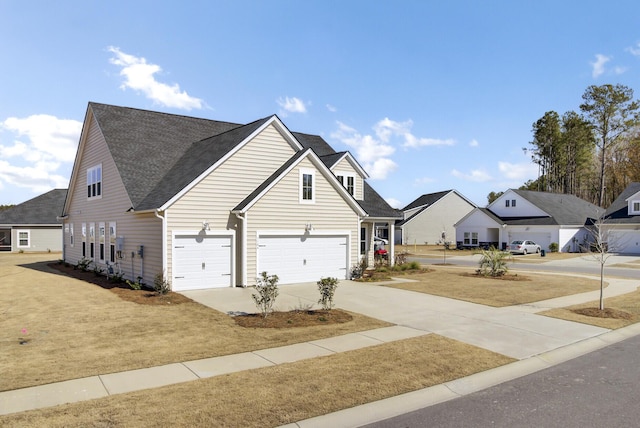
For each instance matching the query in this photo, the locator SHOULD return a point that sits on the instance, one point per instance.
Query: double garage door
(201, 261)
(303, 258)
(624, 242)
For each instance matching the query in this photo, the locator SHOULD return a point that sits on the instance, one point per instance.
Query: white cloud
(331, 108)
(474, 143)
(371, 152)
(598, 65)
(291, 105)
(519, 172)
(387, 128)
(393, 203)
(620, 70)
(423, 180)
(139, 75)
(634, 50)
(476, 175)
(49, 145)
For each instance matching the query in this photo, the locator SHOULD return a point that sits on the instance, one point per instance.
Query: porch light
(205, 225)
(308, 227)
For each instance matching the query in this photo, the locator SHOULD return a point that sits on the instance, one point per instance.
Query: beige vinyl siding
(280, 209)
(345, 167)
(216, 195)
(137, 229)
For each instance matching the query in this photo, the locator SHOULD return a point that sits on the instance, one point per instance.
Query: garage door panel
(201, 262)
(303, 258)
(624, 242)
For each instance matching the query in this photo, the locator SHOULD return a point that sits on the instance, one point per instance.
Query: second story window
(348, 181)
(307, 191)
(94, 182)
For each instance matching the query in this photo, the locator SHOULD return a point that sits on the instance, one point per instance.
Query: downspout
(243, 244)
(392, 243)
(164, 242)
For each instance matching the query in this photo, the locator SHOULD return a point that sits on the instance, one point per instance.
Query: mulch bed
(505, 277)
(293, 319)
(122, 289)
(605, 313)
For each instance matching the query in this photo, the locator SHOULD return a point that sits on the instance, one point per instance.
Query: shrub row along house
(212, 204)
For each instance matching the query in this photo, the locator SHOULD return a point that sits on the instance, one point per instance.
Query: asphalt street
(599, 389)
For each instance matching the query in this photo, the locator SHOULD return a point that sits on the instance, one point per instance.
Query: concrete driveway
(513, 331)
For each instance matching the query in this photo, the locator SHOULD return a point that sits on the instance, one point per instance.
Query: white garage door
(624, 241)
(201, 261)
(542, 239)
(303, 258)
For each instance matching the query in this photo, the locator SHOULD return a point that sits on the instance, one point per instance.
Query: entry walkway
(517, 331)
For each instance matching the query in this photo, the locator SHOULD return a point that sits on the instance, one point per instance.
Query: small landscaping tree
(327, 288)
(493, 262)
(267, 291)
(599, 250)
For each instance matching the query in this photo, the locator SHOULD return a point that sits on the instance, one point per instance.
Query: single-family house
(621, 222)
(33, 225)
(211, 204)
(542, 217)
(426, 219)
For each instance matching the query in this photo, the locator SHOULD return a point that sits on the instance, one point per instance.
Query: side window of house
(112, 242)
(101, 231)
(513, 202)
(467, 238)
(71, 238)
(307, 186)
(474, 238)
(84, 240)
(363, 240)
(506, 203)
(24, 239)
(94, 182)
(92, 240)
(636, 206)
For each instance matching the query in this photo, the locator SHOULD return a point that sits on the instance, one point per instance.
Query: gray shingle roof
(427, 199)
(158, 154)
(42, 209)
(563, 209)
(618, 211)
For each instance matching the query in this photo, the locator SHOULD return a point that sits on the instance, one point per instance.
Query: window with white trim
(635, 207)
(71, 238)
(84, 240)
(94, 182)
(363, 240)
(506, 203)
(513, 203)
(348, 181)
(101, 242)
(24, 238)
(112, 241)
(92, 240)
(307, 186)
(470, 238)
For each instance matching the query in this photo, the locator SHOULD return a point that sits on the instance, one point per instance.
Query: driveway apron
(508, 331)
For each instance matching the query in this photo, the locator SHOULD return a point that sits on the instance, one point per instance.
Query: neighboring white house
(429, 216)
(542, 217)
(33, 225)
(212, 204)
(621, 224)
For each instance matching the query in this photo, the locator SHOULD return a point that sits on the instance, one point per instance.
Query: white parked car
(523, 247)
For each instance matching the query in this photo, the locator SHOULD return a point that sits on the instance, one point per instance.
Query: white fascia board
(272, 120)
(88, 118)
(634, 196)
(326, 173)
(354, 163)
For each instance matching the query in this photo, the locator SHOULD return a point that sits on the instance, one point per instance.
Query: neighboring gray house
(426, 218)
(621, 224)
(33, 225)
(213, 204)
(542, 217)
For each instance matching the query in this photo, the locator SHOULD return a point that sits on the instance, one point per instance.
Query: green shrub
(267, 291)
(327, 288)
(553, 247)
(136, 285)
(493, 263)
(161, 284)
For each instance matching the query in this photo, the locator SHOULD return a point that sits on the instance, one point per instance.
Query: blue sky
(427, 95)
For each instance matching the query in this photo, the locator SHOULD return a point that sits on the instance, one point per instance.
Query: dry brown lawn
(512, 289)
(278, 395)
(75, 329)
(620, 311)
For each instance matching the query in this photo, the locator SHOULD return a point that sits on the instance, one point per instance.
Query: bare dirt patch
(298, 318)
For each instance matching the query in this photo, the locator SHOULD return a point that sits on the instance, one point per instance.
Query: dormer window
(348, 182)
